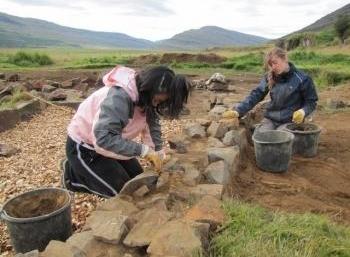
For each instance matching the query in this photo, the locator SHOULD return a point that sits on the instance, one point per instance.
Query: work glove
(230, 114)
(153, 157)
(298, 116)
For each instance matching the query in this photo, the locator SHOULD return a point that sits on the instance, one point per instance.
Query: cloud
(47, 3)
(139, 8)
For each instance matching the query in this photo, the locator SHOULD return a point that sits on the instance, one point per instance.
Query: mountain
(209, 36)
(328, 20)
(28, 32)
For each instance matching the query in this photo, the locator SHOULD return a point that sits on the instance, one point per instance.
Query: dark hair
(161, 79)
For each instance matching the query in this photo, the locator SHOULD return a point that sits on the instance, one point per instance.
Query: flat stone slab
(207, 210)
(148, 179)
(150, 222)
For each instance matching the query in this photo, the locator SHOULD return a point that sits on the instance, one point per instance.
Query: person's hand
(154, 158)
(230, 114)
(298, 116)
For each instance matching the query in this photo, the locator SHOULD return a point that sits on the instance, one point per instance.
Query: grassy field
(329, 66)
(254, 231)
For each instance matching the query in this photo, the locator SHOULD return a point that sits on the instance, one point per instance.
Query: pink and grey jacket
(109, 119)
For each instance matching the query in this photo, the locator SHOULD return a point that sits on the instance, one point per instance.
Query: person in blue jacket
(292, 92)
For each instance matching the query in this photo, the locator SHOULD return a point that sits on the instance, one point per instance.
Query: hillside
(328, 20)
(209, 36)
(28, 32)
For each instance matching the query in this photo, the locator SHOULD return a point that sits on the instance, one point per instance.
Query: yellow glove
(298, 116)
(155, 160)
(230, 114)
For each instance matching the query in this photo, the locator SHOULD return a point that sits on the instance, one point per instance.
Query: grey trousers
(267, 124)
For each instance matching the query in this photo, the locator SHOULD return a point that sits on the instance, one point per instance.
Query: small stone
(7, 150)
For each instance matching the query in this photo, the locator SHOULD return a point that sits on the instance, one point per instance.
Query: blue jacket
(292, 91)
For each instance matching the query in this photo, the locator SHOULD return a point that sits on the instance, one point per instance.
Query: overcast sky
(161, 19)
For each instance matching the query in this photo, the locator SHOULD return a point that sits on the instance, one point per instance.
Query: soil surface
(319, 185)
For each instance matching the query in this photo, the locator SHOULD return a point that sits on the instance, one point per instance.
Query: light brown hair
(279, 52)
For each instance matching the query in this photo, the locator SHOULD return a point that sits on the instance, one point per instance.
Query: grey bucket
(273, 150)
(306, 138)
(30, 226)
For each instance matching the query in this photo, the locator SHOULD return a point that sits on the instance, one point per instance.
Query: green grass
(11, 102)
(252, 231)
(328, 66)
(25, 59)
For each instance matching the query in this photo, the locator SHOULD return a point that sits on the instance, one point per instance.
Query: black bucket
(35, 218)
(306, 137)
(273, 150)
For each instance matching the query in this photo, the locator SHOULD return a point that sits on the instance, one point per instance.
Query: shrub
(30, 59)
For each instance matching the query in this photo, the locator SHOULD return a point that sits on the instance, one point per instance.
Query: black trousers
(90, 172)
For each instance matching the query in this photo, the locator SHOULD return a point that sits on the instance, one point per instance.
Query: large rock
(108, 226)
(146, 178)
(48, 88)
(231, 138)
(57, 95)
(201, 190)
(153, 200)
(207, 210)
(85, 243)
(179, 238)
(217, 86)
(117, 204)
(195, 130)
(34, 253)
(178, 143)
(216, 112)
(192, 175)
(218, 173)
(217, 129)
(13, 78)
(144, 230)
(60, 249)
(216, 77)
(227, 154)
(2, 76)
(214, 142)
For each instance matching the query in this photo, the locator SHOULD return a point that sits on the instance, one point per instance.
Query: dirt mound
(176, 57)
(144, 60)
(184, 57)
(318, 185)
